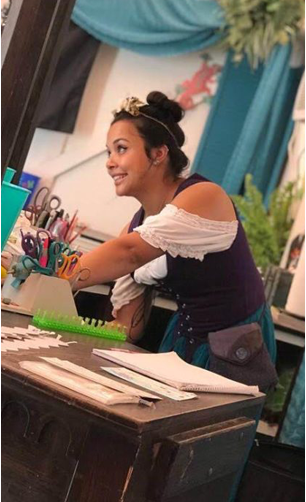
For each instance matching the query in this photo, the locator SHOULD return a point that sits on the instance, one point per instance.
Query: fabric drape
(256, 128)
(151, 27)
(60, 109)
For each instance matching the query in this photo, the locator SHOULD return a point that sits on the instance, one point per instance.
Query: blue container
(9, 174)
(13, 198)
(29, 182)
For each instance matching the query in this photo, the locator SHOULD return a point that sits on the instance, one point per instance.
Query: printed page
(149, 383)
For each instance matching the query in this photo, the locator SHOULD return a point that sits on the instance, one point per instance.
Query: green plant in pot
(267, 229)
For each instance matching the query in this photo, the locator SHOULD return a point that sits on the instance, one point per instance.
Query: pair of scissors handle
(70, 266)
(42, 203)
(29, 244)
(47, 202)
(35, 266)
(55, 256)
(32, 213)
(82, 275)
(50, 203)
(32, 244)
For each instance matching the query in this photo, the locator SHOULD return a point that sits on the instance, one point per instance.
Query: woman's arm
(125, 254)
(116, 258)
(134, 316)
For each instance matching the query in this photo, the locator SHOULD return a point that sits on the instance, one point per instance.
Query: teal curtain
(250, 124)
(151, 27)
(293, 429)
(250, 120)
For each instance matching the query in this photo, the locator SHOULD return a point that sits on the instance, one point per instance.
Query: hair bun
(166, 105)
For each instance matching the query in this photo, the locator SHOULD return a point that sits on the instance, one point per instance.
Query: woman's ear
(159, 154)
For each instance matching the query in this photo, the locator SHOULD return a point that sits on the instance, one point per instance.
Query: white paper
(149, 383)
(35, 343)
(90, 375)
(77, 383)
(7, 329)
(169, 368)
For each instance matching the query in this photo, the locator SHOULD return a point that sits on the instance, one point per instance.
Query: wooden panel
(40, 449)
(105, 467)
(201, 456)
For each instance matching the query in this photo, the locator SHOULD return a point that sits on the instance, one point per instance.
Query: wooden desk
(60, 446)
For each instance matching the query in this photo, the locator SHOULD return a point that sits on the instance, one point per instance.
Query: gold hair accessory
(132, 106)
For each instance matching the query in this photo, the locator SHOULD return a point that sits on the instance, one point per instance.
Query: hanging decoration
(202, 85)
(254, 27)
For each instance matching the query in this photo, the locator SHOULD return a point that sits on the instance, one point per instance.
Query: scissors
(33, 244)
(46, 202)
(55, 259)
(70, 266)
(25, 266)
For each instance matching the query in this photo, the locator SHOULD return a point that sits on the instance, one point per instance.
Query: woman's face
(127, 163)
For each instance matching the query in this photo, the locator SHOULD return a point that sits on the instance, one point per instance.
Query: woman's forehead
(124, 129)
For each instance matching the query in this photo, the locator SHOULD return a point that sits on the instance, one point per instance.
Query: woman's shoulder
(206, 199)
(191, 180)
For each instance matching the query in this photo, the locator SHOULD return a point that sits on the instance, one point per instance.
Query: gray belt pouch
(240, 354)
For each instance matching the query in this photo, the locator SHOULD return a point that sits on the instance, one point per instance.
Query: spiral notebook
(169, 368)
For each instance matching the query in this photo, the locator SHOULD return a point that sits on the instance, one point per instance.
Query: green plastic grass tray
(73, 324)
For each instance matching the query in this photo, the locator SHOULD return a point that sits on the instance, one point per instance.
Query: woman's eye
(121, 148)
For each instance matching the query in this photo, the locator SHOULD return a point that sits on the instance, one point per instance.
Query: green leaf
(267, 230)
(254, 27)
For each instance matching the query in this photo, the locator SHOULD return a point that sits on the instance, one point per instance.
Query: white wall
(115, 75)
(296, 170)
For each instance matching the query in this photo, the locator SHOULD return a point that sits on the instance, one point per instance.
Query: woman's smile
(118, 178)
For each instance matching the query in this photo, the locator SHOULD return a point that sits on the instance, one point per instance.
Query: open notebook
(169, 368)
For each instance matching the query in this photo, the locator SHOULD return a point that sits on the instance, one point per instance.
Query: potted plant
(267, 229)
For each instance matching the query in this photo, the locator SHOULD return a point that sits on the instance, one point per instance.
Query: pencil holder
(9, 174)
(12, 199)
(41, 292)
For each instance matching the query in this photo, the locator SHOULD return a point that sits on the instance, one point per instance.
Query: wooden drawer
(194, 462)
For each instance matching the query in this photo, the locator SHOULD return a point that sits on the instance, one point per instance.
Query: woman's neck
(158, 196)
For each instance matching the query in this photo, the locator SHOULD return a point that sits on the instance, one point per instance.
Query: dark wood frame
(31, 43)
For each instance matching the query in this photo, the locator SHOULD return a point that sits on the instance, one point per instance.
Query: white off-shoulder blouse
(178, 233)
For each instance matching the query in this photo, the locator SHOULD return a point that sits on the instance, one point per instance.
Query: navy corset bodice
(216, 293)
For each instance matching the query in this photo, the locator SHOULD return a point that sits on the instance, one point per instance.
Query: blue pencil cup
(12, 199)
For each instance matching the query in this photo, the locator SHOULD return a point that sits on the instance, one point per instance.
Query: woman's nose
(110, 162)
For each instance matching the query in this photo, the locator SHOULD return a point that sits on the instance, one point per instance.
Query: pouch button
(242, 353)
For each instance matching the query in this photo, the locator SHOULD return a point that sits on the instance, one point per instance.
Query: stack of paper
(79, 384)
(171, 369)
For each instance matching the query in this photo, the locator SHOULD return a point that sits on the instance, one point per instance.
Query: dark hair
(168, 112)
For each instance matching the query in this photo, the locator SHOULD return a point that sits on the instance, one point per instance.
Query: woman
(185, 239)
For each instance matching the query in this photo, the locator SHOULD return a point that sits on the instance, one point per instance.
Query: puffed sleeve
(180, 233)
